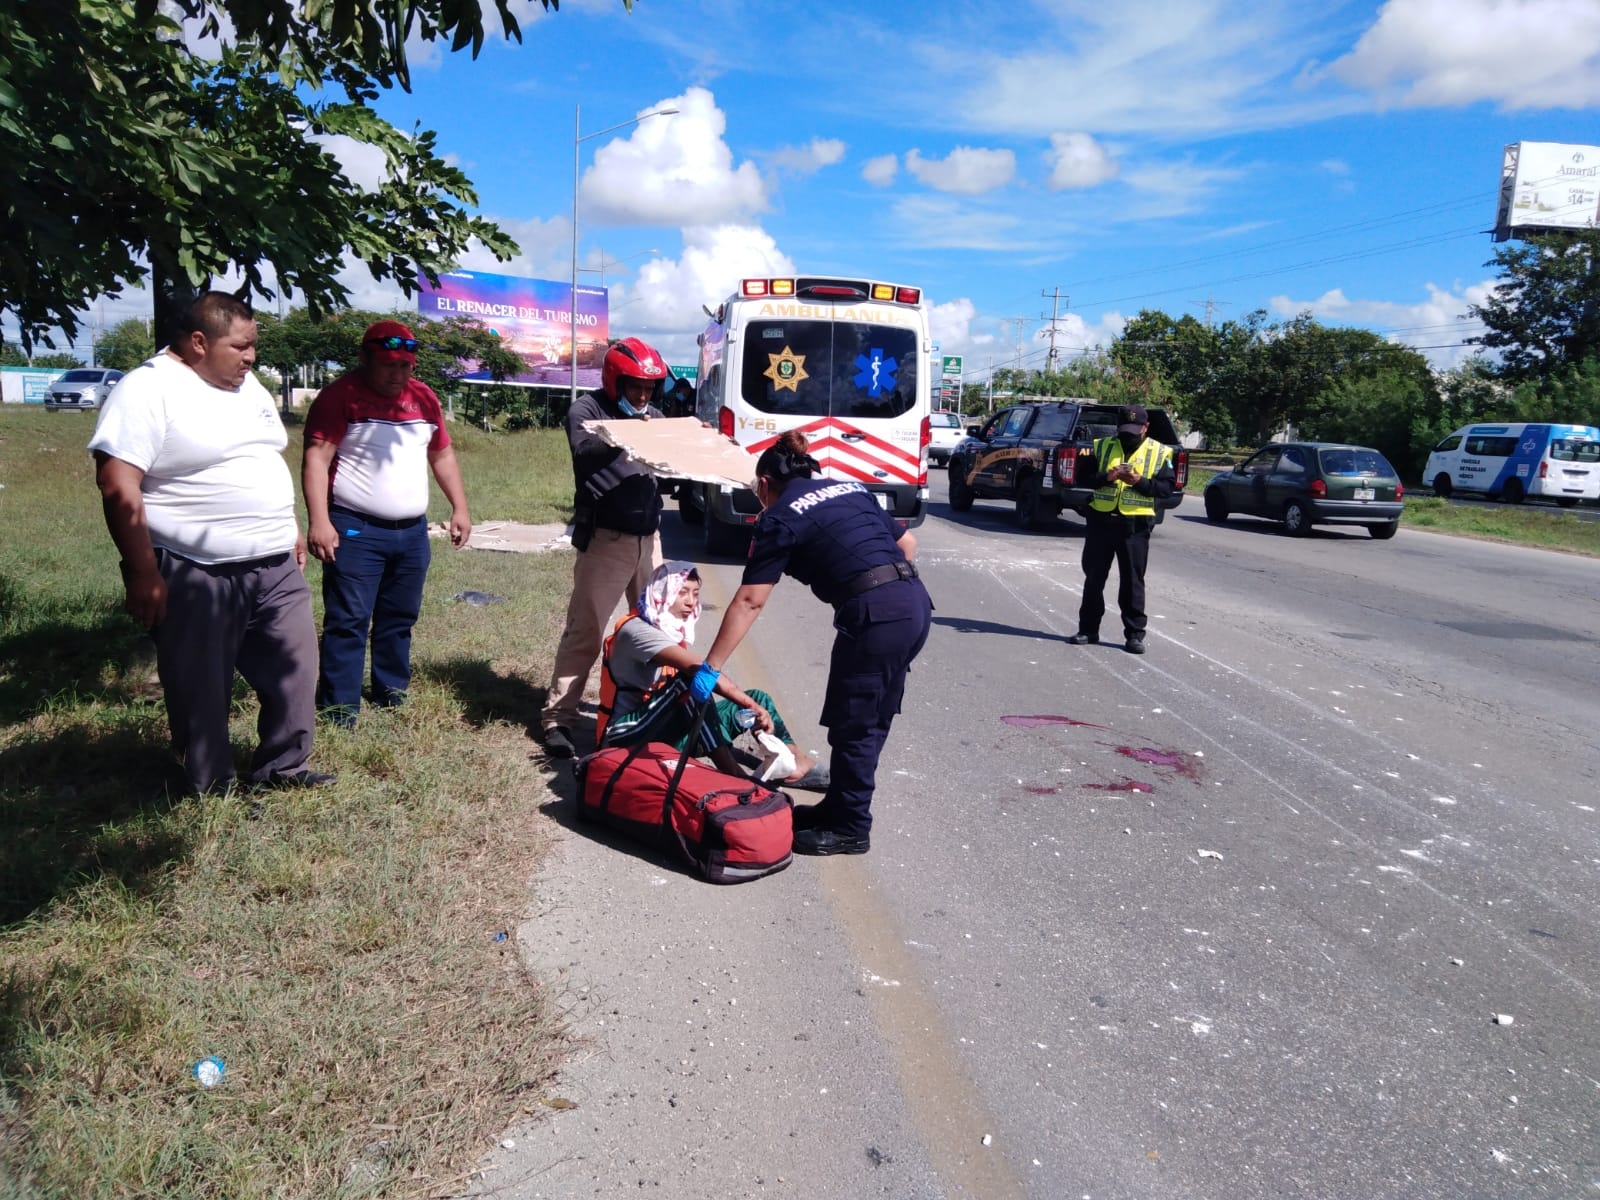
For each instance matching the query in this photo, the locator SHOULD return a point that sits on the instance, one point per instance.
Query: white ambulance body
(1511, 461)
(848, 361)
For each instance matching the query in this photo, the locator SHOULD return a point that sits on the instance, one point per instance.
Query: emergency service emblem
(876, 373)
(787, 370)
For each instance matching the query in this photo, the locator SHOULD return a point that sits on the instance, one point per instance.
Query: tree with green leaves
(1544, 314)
(125, 345)
(57, 361)
(131, 156)
(320, 348)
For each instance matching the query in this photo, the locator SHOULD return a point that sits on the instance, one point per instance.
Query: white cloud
(967, 171)
(364, 164)
(1078, 161)
(1434, 327)
(951, 324)
(804, 160)
(1519, 53)
(1164, 67)
(545, 249)
(1172, 189)
(664, 303)
(939, 223)
(880, 171)
(673, 170)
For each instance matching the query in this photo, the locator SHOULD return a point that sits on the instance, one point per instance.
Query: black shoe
(558, 742)
(1084, 639)
(1135, 645)
(825, 841)
(806, 816)
(303, 778)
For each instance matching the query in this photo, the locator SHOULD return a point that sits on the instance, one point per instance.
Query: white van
(848, 361)
(1513, 461)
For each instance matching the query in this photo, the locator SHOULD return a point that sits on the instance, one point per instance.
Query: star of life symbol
(787, 370)
(876, 373)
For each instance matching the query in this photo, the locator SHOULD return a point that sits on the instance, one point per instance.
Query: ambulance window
(1568, 450)
(1449, 444)
(874, 370)
(785, 369)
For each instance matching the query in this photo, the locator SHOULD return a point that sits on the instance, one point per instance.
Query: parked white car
(82, 389)
(946, 432)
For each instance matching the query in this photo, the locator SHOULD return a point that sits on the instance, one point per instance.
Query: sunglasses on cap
(394, 342)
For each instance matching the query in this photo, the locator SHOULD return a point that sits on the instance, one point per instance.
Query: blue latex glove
(704, 682)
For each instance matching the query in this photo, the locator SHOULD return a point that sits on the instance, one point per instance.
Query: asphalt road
(1235, 919)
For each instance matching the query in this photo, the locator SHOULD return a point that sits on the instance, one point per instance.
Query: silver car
(81, 389)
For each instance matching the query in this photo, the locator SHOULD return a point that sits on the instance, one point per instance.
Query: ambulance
(1517, 460)
(846, 361)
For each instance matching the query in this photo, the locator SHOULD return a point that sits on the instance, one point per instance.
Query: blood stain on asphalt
(1127, 785)
(1036, 722)
(1035, 789)
(1184, 764)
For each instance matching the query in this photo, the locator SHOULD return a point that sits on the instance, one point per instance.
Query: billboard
(532, 317)
(950, 366)
(1546, 186)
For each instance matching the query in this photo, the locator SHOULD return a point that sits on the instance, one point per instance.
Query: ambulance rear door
(853, 378)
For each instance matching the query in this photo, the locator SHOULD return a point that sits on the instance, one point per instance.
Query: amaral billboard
(1546, 186)
(532, 317)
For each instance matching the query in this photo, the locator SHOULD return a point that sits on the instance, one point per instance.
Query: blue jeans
(373, 583)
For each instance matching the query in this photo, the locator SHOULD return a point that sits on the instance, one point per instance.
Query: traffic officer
(1131, 473)
(834, 538)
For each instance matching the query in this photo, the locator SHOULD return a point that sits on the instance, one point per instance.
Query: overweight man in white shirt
(200, 502)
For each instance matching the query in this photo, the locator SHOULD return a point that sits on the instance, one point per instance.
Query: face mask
(628, 409)
(1130, 441)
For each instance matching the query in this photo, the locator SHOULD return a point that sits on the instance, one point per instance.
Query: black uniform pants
(878, 634)
(1125, 540)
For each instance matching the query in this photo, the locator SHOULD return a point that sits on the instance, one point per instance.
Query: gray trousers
(253, 617)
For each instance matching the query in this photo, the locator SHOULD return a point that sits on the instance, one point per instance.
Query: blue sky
(1341, 158)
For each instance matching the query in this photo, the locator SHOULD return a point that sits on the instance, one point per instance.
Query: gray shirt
(632, 664)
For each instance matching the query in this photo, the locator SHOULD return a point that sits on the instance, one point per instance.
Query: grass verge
(339, 952)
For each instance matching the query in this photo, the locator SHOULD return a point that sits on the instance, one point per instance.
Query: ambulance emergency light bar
(831, 289)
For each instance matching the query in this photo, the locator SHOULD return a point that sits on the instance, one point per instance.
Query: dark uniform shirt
(612, 491)
(825, 534)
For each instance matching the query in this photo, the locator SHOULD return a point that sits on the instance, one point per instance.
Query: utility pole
(1018, 323)
(1211, 306)
(1055, 306)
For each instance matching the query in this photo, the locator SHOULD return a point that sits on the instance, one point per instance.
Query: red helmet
(631, 359)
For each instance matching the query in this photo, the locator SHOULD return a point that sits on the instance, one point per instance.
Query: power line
(1301, 239)
(1353, 256)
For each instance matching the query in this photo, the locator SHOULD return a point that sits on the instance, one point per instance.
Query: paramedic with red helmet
(615, 528)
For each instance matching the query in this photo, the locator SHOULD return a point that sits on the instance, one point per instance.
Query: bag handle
(683, 760)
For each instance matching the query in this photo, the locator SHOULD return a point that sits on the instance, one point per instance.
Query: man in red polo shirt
(371, 438)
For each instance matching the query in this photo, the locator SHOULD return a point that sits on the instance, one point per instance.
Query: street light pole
(615, 262)
(578, 138)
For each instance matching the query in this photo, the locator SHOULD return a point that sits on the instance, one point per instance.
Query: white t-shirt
(216, 486)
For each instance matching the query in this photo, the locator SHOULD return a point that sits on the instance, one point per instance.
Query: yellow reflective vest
(1121, 497)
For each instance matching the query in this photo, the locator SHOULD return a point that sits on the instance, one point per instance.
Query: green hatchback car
(1311, 483)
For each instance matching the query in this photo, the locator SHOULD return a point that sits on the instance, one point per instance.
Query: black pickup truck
(1040, 456)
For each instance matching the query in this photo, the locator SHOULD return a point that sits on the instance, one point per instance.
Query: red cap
(388, 329)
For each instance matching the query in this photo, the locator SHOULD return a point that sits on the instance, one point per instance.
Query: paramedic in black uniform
(835, 538)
